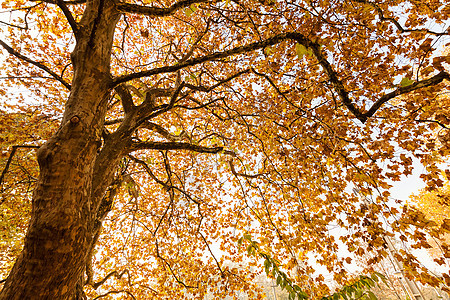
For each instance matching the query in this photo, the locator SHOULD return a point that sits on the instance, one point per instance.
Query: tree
(218, 118)
(435, 206)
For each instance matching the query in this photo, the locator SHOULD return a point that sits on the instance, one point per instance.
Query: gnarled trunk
(64, 208)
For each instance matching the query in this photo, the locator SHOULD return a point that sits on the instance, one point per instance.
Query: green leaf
(283, 284)
(250, 249)
(406, 82)
(190, 10)
(383, 278)
(279, 280)
(372, 296)
(267, 265)
(302, 50)
(303, 295)
(350, 290)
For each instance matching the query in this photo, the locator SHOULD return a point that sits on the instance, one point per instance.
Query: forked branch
(406, 89)
(343, 94)
(320, 56)
(396, 23)
(113, 273)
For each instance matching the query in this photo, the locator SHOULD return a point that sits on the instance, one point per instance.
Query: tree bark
(64, 208)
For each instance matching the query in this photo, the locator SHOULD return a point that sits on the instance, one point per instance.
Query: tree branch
(115, 292)
(396, 23)
(125, 97)
(233, 170)
(338, 85)
(405, 89)
(11, 155)
(212, 254)
(113, 273)
(37, 64)
(164, 132)
(175, 146)
(156, 11)
(301, 39)
(218, 55)
(73, 24)
(207, 89)
(71, 2)
(158, 255)
(112, 122)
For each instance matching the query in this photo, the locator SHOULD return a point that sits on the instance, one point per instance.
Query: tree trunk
(64, 208)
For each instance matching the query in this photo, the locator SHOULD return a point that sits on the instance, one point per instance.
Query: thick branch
(156, 11)
(125, 97)
(334, 79)
(174, 146)
(147, 111)
(218, 55)
(406, 89)
(37, 64)
(301, 39)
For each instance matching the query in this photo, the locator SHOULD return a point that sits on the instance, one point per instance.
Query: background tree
(435, 206)
(184, 125)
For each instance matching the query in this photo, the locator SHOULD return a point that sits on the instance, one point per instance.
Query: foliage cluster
(168, 129)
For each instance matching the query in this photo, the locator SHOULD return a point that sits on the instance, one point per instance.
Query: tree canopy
(141, 140)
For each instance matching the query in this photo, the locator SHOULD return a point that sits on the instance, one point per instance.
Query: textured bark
(63, 208)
